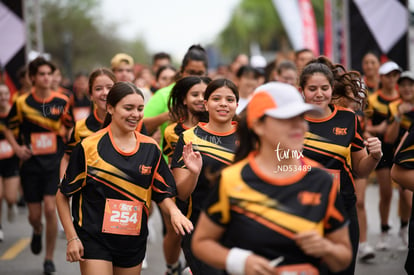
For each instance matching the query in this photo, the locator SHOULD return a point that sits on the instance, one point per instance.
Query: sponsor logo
(340, 131)
(309, 198)
(145, 170)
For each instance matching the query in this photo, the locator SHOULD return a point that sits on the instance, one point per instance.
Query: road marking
(13, 251)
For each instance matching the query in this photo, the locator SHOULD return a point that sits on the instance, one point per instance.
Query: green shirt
(158, 104)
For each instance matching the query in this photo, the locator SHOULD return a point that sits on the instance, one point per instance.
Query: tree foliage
(257, 21)
(78, 39)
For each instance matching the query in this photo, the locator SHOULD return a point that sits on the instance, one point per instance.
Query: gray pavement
(16, 258)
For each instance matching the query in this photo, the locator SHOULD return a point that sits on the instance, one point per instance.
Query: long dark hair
(117, 93)
(248, 140)
(195, 52)
(179, 111)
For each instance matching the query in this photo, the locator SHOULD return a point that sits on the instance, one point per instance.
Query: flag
(13, 40)
(298, 19)
(328, 41)
(378, 26)
(309, 31)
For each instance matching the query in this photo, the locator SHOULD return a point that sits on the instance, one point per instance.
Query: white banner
(13, 36)
(386, 19)
(290, 16)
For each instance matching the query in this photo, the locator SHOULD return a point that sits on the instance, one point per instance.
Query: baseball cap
(388, 67)
(277, 100)
(406, 75)
(119, 58)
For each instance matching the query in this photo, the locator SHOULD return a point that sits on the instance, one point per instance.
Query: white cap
(388, 67)
(406, 75)
(277, 100)
(258, 61)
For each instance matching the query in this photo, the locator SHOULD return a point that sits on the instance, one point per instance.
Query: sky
(169, 25)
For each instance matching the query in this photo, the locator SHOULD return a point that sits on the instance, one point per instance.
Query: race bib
(122, 217)
(81, 113)
(6, 150)
(43, 143)
(297, 269)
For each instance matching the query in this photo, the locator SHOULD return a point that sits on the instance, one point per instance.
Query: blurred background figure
(122, 66)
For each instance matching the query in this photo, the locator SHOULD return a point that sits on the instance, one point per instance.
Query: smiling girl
(334, 138)
(112, 177)
(214, 143)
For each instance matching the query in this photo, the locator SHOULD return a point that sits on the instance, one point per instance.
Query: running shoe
(36, 243)
(48, 267)
(174, 269)
(1, 235)
(403, 234)
(383, 242)
(365, 252)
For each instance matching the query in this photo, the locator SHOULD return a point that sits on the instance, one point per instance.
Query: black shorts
(98, 250)
(409, 262)
(37, 183)
(387, 156)
(9, 167)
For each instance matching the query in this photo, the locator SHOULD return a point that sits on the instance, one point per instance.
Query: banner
(380, 27)
(13, 41)
(328, 41)
(310, 33)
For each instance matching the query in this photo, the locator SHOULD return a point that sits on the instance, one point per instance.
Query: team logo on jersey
(309, 198)
(340, 131)
(145, 170)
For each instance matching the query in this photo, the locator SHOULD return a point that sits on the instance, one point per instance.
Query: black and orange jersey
(83, 128)
(371, 87)
(405, 155)
(99, 171)
(217, 151)
(263, 214)
(330, 141)
(80, 107)
(406, 119)
(377, 109)
(171, 135)
(6, 151)
(42, 125)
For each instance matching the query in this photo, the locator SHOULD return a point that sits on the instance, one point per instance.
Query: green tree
(78, 39)
(257, 21)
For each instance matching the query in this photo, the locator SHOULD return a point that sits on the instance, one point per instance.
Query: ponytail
(107, 121)
(248, 140)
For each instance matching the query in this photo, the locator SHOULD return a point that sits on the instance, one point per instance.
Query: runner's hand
(23, 152)
(180, 223)
(312, 243)
(74, 251)
(256, 264)
(373, 145)
(192, 159)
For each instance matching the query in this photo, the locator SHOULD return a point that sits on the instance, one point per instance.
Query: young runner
(43, 119)
(334, 138)
(214, 143)
(112, 177)
(273, 206)
(9, 163)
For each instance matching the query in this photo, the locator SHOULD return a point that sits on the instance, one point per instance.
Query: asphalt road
(16, 258)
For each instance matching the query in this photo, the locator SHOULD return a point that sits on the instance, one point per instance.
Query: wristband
(236, 260)
(73, 239)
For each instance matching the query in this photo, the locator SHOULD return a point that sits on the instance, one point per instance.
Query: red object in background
(310, 34)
